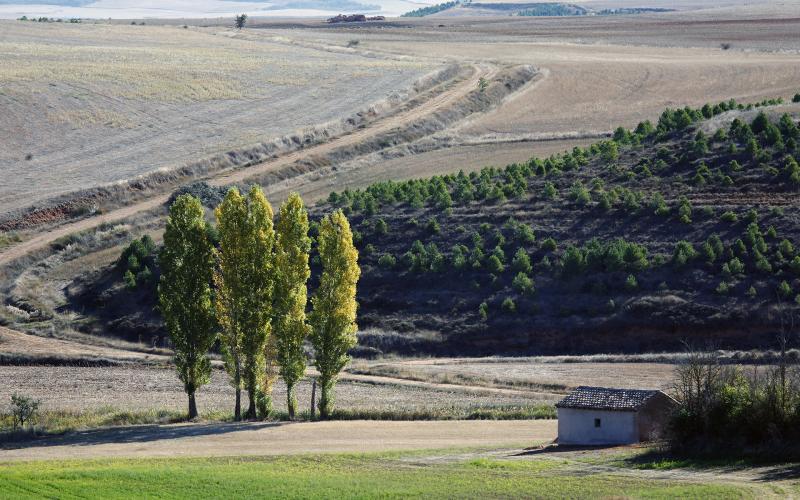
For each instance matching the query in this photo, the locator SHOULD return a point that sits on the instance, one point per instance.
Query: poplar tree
(184, 293)
(333, 315)
(244, 289)
(291, 292)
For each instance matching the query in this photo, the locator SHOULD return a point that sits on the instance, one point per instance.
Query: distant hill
(682, 230)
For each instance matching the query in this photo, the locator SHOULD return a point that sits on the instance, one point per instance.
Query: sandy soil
(280, 439)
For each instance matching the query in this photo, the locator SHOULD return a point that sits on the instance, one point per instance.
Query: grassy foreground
(335, 476)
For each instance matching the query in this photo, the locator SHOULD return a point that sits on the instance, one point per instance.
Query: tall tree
(291, 292)
(245, 283)
(184, 293)
(333, 315)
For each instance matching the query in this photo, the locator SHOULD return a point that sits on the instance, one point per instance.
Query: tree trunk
(325, 398)
(237, 379)
(192, 406)
(251, 408)
(291, 402)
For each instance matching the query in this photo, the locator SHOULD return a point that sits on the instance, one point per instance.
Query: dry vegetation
(96, 104)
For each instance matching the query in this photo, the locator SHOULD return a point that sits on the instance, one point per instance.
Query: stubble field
(93, 104)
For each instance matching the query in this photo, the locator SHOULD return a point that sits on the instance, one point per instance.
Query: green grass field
(432, 475)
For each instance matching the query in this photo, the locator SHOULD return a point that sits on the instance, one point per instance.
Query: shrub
(683, 254)
(784, 289)
(483, 311)
(549, 192)
(631, 283)
(522, 283)
(579, 194)
(549, 245)
(381, 227)
(433, 226)
(723, 288)
(387, 261)
(494, 265)
(684, 210)
(129, 279)
(521, 262)
(751, 292)
(24, 410)
(729, 216)
(508, 305)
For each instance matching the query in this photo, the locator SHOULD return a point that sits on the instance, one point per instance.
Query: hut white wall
(577, 427)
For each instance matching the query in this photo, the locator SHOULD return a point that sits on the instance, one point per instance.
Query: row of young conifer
(249, 292)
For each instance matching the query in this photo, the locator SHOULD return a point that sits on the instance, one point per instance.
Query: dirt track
(438, 102)
(252, 439)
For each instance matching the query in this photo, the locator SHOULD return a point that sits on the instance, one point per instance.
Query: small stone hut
(603, 416)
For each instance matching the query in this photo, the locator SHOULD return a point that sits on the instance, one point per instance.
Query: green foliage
(684, 210)
(683, 254)
(184, 293)
(432, 9)
(483, 311)
(784, 289)
(615, 255)
(521, 262)
(729, 216)
(549, 245)
(522, 283)
(387, 261)
(292, 272)
(549, 192)
(508, 305)
(631, 283)
(494, 264)
(24, 410)
(245, 280)
(579, 194)
(129, 279)
(333, 315)
(433, 226)
(381, 227)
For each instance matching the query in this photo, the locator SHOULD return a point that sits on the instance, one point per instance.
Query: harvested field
(140, 388)
(526, 372)
(96, 104)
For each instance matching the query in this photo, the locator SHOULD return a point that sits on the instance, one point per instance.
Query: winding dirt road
(440, 101)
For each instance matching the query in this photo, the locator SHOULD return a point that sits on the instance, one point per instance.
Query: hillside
(683, 230)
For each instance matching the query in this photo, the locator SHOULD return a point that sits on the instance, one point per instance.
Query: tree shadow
(139, 434)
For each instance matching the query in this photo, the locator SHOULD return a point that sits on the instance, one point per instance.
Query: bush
(729, 217)
(684, 210)
(494, 265)
(24, 410)
(549, 245)
(683, 254)
(508, 305)
(784, 289)
(522, 283)
(723, 288)
(381, 227)
(549, 192)
(387, 261)
(521, 262)
(433, 226)
(483, 311)
(579, 194)
(631, 283)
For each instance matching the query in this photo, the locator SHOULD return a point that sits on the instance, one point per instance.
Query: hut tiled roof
(603, 398)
